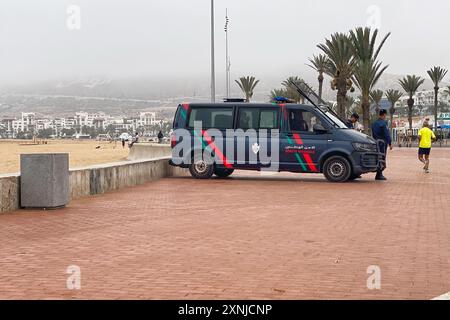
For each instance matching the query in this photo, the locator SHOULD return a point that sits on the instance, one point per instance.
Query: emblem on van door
(255, 148)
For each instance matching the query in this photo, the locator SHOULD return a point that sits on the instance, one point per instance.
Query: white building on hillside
(27, 122)
(147, 119)
(426, 98)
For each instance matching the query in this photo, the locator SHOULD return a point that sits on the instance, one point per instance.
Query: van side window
(268, 119)
(218, 118)
(302, 120)
(248, 118)
(255, 118)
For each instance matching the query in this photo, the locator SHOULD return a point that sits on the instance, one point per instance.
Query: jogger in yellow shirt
(426, 137)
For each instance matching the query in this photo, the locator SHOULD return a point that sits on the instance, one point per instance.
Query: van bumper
(179, 163)
(365, 162)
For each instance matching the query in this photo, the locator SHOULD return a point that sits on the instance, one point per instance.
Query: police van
(297, 138)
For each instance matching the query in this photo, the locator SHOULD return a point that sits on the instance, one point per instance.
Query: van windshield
(336, 121)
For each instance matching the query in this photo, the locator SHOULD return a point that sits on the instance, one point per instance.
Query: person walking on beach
(426, 138)
(380, 132)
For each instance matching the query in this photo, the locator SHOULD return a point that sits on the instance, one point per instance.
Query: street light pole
(227, 59)
(213, 71)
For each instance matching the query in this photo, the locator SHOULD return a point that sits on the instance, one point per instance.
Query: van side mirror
(318, 128)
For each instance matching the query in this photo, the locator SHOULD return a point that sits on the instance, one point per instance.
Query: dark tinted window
(254, 118)
(176, 121)
(248, 118)
(219, 118)
(303, 120)
(268, 119)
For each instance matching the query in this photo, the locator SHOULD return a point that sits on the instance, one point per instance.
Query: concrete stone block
(9, 192)
(44, 180)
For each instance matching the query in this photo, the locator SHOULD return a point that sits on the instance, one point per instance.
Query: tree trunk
(410, 111)
(320, 78)
(391, 112)
(392, 127)
(342, 98)
(436, 91)
(365, 105)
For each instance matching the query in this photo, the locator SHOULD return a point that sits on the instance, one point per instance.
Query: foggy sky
(133, 38)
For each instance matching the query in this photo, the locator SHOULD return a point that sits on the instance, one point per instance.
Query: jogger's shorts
(425, 151)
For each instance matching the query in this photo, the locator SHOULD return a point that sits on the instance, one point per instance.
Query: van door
(303, 140)
(251, 150)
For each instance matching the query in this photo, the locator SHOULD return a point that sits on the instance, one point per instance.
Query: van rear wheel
(201, 168)
(223, 173)
(337, 169)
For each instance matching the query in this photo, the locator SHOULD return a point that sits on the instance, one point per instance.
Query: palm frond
(247, 86)
(437, 74)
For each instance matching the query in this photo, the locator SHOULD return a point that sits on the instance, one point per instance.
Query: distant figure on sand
(426, 138)
(160, 136)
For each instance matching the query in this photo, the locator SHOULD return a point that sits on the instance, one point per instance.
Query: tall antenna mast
(213, 71)
(227, 62)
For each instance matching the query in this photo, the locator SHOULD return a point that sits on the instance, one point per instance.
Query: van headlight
(365, 147)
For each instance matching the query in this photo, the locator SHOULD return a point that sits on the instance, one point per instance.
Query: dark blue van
(307, 139)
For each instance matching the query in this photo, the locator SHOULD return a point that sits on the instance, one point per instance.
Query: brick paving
(283, 236)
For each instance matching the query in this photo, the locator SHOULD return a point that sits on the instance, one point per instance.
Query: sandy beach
(81, 153)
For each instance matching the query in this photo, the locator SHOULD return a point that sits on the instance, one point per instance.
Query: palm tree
(411, 84)
(368, 69)
(247, 85)
(350, 103)
(320, 63)
(356, 106)
(291, 91)
(375, 97)
(393, 96)
(278, 93)
(436, 74)
(339, 51)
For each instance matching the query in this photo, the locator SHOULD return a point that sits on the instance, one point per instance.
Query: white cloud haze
(129, 38)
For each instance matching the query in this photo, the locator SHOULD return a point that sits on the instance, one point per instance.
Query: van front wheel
(337, 169)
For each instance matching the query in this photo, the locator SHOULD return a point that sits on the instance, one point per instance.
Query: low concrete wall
(103, 178)
(96, 179)
(144, 151)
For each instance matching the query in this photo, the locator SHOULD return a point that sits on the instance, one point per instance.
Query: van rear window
(218, 118)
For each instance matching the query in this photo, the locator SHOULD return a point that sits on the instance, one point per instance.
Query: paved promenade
(282, 236)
